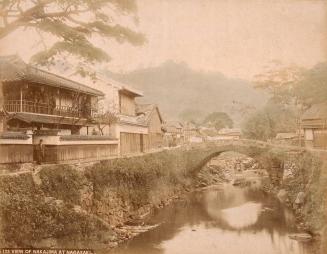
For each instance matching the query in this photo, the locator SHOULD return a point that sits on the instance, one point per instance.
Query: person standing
(40, 152)
(52, 104)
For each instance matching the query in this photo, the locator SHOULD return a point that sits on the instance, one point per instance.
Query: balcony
(25, 106)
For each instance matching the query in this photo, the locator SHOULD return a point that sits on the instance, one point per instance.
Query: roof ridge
(14, 67)
(59, 76)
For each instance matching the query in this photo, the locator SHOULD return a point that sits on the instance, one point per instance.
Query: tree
(72, 24)
(264, 124)
(281, 82)
(106, 116)
(312, 88)
(218, 120)
(295, 86)
(106, 120)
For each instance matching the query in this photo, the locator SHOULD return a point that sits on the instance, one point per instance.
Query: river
(221, 219)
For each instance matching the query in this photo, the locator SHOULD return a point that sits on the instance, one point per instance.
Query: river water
(220, 220)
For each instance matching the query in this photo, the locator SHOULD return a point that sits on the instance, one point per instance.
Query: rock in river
(301, 237)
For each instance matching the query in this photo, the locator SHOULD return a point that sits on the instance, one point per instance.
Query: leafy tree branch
(72, 24)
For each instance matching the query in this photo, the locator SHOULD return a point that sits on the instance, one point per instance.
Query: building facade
(314, 125)
(149, 115)
(35, 99)
(41, 107)
(173, 135)
(121, 99)
(70, 120)
(139, 126)
(191, 133)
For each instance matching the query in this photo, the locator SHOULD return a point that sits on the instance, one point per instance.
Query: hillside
(184, 93)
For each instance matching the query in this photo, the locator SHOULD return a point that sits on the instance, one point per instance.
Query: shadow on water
(225, 220)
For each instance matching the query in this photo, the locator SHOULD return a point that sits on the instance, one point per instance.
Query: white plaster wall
(47, 140)
(88, 142)
(55, 140)
(308, 134)
(132, 129)
(16, 141)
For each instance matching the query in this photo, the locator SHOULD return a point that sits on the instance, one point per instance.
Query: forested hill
(182, 92)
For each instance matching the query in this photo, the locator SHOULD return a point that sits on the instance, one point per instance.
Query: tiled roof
(317, 111)
(144, 112)
(47, 119)
(131, 120)
(286, 135)
(121, 87)
(14, 135)
(227, 131)
(13, 68)
(174, 124)
(189, 126)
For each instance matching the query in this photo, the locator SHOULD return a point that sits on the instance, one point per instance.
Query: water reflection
(243, 215)
(223, 220)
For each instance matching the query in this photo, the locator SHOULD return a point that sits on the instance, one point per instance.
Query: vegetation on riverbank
(80, 205)
(302, 185)
(72, 204)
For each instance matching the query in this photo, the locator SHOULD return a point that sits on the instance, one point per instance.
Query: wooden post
(300, 133)
(21, 99)
(59, 102)
(142, 143)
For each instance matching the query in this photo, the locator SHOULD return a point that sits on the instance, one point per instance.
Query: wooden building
(230, 133)
(130, 132)
(173, 135)
(287, 138)
(191, 133)
(139, 126)
(51, 107)
(314, 124)
(149, 115)
(33, 98)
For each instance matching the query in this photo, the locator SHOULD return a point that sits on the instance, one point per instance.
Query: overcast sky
(235, 37)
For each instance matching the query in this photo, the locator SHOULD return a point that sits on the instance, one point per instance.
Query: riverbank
(300, 184)
(100, 205)
(89, 205)
(302, 187)
(220, 219)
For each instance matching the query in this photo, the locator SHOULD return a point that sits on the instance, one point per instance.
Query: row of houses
(314, 126)
(312, 131)
(177, 133)
(47, 116)
(67, 120)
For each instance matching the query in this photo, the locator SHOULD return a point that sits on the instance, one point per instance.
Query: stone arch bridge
(271, 156)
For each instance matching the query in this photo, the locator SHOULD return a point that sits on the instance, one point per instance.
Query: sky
(235, 37)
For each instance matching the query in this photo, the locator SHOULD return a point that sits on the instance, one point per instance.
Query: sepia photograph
(163, 126)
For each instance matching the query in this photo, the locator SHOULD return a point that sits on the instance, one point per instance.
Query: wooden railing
(44, 108)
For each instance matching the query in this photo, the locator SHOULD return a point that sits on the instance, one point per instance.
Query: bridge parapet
(274, 155)
(258, 144)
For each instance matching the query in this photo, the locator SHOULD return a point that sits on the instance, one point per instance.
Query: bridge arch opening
(267, 160)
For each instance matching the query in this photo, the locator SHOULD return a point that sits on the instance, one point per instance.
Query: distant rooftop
(175, 124)
(144, 112)
(317, 111)
(230, 131)
(13, 68)
(286, 135)
(120, 86)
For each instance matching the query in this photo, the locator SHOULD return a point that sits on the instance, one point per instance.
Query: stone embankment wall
(301, 184)
(85, 205)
